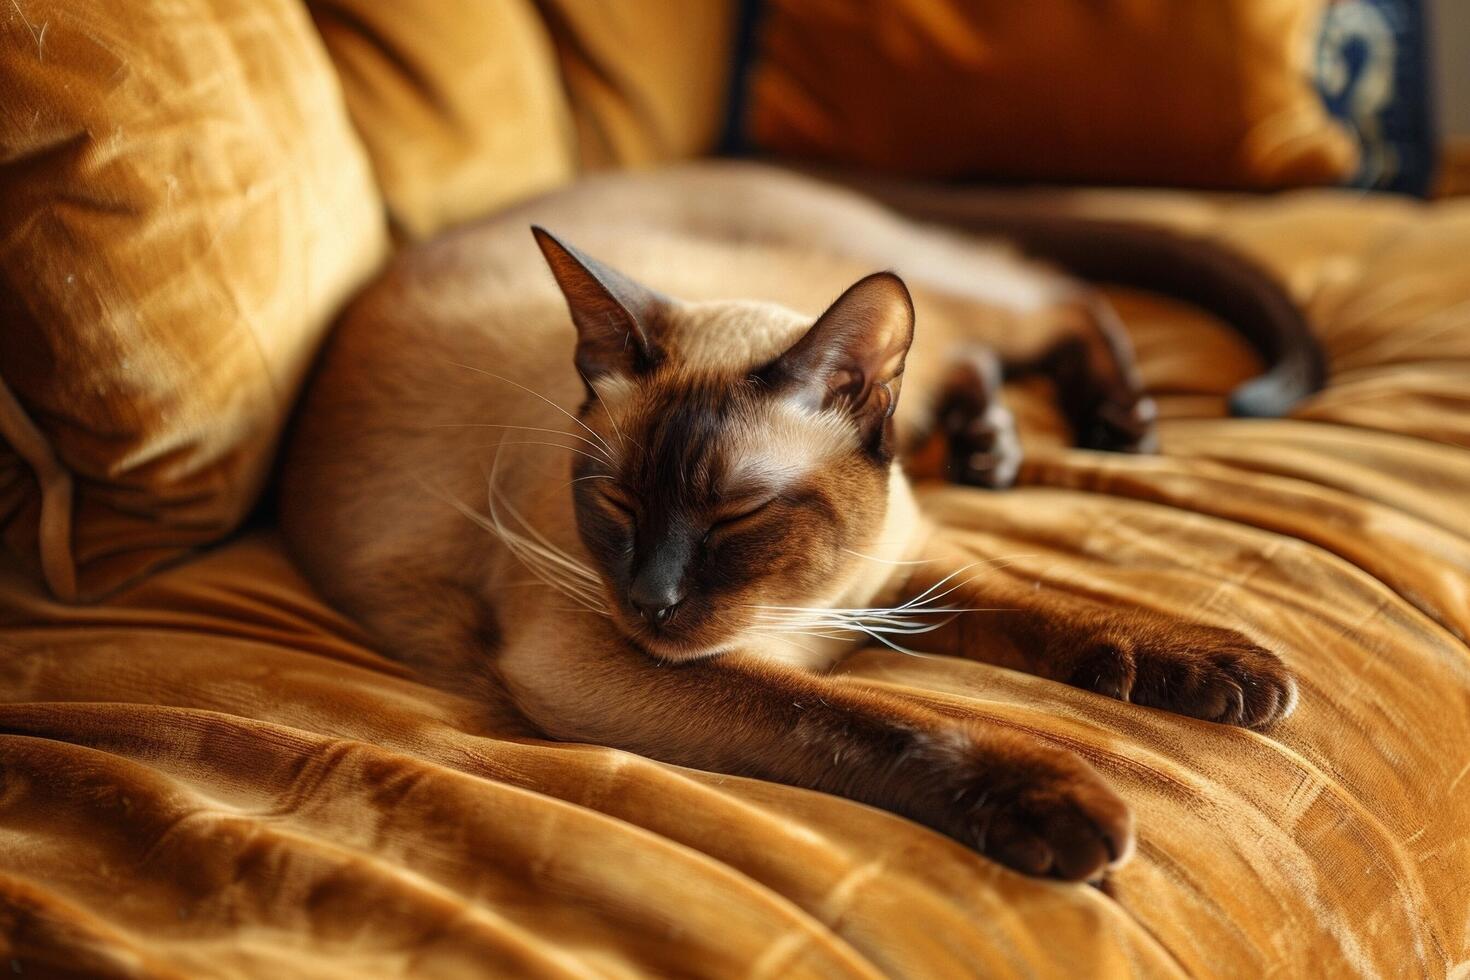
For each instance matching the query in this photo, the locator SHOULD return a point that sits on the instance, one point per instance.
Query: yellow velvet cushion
(459, 103)
(647, 79)
(183, 207)
(1204, 94)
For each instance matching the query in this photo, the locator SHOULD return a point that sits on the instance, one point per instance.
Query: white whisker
(800, 646)
(610, 420)
(541, 548)
(923, 613)
(881, 638)
(553, 445)
(923, 597)
(591, 476)
(531, 561)
(890, 561)
(514, 542)
(524, 428)
(864, 625)
(549, 561)
(491, 374)
(546, 562)
(821, 634)
(937, 597)
(544, 546)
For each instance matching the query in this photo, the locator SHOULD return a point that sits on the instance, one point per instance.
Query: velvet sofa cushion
(648, 80)
(1215, 94)
(465, 106)
(183, 206)
(459, 104)
(213, 775)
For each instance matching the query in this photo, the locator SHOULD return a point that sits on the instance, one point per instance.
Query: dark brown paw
(1098, 382)
(1040, 810)
(984, 450)
(1123, 426)
(1214, 674)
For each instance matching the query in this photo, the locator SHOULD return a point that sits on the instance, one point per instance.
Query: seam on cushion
(54, 530)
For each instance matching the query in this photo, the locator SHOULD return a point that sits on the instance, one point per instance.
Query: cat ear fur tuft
(853, 356)
(617, 318)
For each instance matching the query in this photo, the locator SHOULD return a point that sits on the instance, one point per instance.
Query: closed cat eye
(619, 502)
(739, 516)
(747, 511)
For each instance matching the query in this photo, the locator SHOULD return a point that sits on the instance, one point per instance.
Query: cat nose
(655, 615)
(658, 588)
(655, 601)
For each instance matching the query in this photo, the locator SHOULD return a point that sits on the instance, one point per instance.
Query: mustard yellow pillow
(1209, 93)
(647, 79)
(183, 207)
(458, 102)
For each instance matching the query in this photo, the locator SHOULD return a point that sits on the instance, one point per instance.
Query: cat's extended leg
(1034, 807)
(1202, 671)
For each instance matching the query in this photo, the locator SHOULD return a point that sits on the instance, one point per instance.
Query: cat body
(648, 498)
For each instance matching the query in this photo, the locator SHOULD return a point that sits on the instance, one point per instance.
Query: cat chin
(674, 652)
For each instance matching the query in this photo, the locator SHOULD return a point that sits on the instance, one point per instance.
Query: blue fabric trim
(734, 140)
(1373, 73)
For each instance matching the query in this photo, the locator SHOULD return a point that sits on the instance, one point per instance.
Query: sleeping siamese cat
(637, 470)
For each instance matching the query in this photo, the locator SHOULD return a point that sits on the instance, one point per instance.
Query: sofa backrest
(190, 191)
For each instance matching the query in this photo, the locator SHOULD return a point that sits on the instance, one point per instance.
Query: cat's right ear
(616, 317)
(853, 356)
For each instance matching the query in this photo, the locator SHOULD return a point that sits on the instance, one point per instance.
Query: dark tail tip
(1261, 398)
(1274, 393)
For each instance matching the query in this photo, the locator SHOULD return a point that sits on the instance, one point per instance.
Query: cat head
(735, 477)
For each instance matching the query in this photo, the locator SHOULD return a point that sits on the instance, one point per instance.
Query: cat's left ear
(853, 356)
(617, 318)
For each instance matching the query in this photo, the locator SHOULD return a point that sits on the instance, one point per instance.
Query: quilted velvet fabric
(212, 775)
(183, 206)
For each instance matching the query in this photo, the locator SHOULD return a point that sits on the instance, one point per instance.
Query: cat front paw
(1036, 809)
(1214, 674)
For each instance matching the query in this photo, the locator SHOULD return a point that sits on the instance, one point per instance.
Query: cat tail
(1188, 267)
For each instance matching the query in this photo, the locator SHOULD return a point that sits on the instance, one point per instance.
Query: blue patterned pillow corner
(1372, 70)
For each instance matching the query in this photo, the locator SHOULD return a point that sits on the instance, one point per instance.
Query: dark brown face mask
(681, 548)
